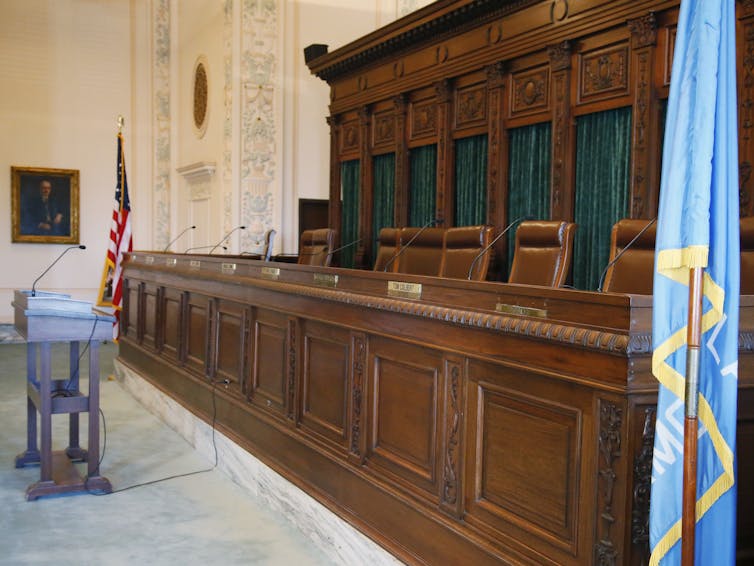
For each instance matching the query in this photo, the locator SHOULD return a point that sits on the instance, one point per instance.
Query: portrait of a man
(45, 205)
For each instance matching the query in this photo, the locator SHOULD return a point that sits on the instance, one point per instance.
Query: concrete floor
(199, 519)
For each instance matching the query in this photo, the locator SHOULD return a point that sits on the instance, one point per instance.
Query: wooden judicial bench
(453, 422)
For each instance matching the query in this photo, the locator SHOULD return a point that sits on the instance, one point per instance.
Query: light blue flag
(698, 227)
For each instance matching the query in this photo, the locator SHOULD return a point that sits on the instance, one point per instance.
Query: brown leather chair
(634, 271)
(461, 246)
(543, 253)
(424, 255)
(388, 244)
(316, 246)
(747, 255)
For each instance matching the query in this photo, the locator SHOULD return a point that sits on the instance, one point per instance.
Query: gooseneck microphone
(411, 241)
(226, 237)
(620, 253)
(494, 241)
(34, 285)
(174, 240)
(213, 246)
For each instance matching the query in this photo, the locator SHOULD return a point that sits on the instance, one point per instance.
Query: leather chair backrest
(747, 255)
(388, 244)
(424, 255)
(316, 246)
(461, 246)
(543, 253)
(634, 271)
(269, 238)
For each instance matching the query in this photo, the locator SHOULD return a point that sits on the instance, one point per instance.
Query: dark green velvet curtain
(384, 195)
(603, 155)
(471, 181)
(529, 151)
(423, 188)
(349, 221)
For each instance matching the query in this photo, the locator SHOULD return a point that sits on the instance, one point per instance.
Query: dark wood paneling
(270, 353)
(171, 323)
(150, 329)
(197, 333)
(232, 322)
(325, 382)
(403, 431)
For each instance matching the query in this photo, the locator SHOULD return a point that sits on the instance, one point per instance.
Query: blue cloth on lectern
(698, 226)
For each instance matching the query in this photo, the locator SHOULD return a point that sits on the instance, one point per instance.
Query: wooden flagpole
(690, 427)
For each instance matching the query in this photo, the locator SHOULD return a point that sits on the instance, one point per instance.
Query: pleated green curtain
(423, 187)
(603, 155)
(384, 195)
(349, 221)
(529, 151)
(471, 181)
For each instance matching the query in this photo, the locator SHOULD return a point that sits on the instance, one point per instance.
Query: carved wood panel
(350, 139)
(530, 91)
(451, 495)
(746, 118)
(324, 382)
(359, 396)
(171, 322)
(383, 129)
(231, 344)
(423, 119)
(470, 106)
(608, 546)
(197, 332)
(150, 329)
(604, 73)
(404, 424)
(270, 362)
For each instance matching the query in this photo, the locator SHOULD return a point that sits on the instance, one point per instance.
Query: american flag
(120, 236)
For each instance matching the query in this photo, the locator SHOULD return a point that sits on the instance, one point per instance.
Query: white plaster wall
(66, 77)
(200, 33)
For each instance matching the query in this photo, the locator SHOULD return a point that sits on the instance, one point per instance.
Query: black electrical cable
(104, 447)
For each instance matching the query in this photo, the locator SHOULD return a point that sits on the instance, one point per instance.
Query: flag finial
(121, 121)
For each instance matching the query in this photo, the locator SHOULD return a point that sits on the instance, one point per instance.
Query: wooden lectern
(43, 319)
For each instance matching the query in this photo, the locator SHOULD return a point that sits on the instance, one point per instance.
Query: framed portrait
(44, 205)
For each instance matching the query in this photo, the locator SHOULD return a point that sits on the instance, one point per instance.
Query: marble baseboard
(8, 335)
(340, 541)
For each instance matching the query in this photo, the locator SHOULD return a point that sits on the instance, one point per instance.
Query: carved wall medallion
(471, 105)
(494, 33)
(384, 128)
(558, 10)
(531, 91)
(423, 119)
(611, 422)
(606, 71)
(201, 94)
(350, 137)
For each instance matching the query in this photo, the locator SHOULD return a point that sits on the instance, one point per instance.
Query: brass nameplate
(149, 260)
(325, 280)
(171, 262)
(524, 311)
(404, 290)
(229, 268)
(195, 264)
(270, 272)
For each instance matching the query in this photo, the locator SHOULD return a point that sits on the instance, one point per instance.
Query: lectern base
(65, 479)
(28, 458)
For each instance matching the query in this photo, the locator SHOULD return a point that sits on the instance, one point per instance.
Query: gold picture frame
(44, 205)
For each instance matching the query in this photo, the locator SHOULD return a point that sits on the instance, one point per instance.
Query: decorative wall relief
(259, 128)
(611, 423)
(604, 72)
(530, 91)
(423, 119)
(471, 106)
(200, 98)
(227, 165)
(161, 122)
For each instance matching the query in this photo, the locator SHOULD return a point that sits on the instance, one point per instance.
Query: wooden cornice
(428, 23)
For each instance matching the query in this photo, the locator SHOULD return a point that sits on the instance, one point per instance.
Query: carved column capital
(365, 113)
(496, 73)
(643, 31)
(748, 6)
(560, 55)
(400, 101)
(443, 90)
(333, 120)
